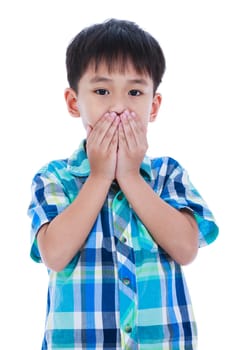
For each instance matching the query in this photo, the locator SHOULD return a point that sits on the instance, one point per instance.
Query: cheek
(91, 112)
(89, 116)
(145, 115)
(143, 107)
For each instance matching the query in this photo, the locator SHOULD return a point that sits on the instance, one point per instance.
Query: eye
(135, 92)
(102, 92)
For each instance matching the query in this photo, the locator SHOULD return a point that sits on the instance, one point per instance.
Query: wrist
(100, 179)
(129, 177)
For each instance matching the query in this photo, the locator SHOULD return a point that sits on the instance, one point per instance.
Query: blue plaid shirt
(121, 290)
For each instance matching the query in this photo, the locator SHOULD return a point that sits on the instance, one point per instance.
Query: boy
(113, 226)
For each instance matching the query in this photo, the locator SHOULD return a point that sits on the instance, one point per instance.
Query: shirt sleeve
(48, 200)
(179, 192)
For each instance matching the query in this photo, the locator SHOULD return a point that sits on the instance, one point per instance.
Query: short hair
(114, 42)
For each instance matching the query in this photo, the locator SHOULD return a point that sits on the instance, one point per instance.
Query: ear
(72, 102)
(155, 107)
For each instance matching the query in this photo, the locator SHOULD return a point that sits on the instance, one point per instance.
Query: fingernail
(113, 114)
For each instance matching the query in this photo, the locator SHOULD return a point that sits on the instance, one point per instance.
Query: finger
(114, 143)
(128, 129)
(100, 128)
(110, 138)
(89, 128)
(137, 127)
(121, 136)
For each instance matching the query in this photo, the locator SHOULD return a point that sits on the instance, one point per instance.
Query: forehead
(116, 67)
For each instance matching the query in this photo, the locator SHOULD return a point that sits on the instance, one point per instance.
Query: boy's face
(102, 91)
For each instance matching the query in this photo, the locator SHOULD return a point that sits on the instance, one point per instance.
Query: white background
(193, 126)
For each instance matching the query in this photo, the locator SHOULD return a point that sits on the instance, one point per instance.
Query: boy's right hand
(102, 143)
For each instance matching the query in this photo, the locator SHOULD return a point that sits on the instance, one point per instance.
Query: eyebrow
(102, 79)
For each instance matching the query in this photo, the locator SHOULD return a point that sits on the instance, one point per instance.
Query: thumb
(89, 128)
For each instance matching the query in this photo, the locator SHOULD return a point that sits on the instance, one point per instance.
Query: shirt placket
(126, 271)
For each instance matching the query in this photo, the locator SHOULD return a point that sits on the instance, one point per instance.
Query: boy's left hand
(132, 145)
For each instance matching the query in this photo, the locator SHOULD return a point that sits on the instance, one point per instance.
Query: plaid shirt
(121, 290)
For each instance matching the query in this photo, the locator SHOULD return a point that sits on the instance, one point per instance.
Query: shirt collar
(78, 164)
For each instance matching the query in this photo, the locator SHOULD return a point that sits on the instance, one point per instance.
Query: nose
(118, 105)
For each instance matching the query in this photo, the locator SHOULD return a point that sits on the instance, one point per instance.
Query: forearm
(175, 231)
(66, 233)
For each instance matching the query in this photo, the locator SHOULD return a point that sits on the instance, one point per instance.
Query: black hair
(114, 42)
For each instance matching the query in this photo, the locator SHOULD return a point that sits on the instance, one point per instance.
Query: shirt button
(123, 240)
(128, 328)
(126, 281)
